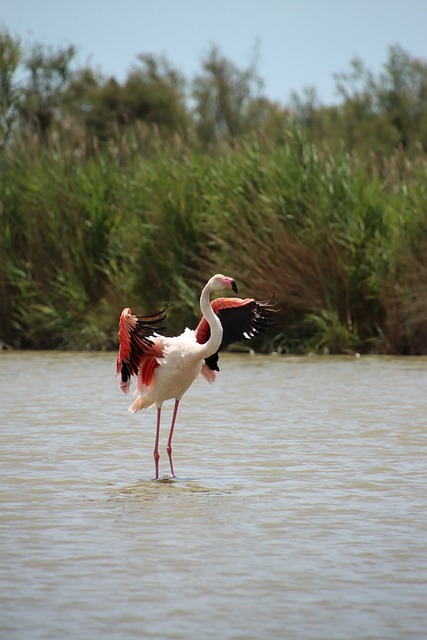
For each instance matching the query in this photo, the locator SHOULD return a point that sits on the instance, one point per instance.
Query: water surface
(299, 510)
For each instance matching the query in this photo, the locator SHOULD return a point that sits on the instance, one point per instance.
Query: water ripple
(299, 509)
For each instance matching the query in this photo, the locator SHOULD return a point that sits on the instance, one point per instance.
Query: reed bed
(85, 232)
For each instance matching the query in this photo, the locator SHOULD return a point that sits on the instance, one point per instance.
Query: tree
(305, 107)
(153, 93)
(402, 95)
(10, 91)
(385, 112)
(49, 72)
(223, 95)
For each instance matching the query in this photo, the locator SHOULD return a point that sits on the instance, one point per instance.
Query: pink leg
(169, 444)
(156, 443)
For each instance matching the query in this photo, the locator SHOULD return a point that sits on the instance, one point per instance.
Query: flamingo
(167, 366)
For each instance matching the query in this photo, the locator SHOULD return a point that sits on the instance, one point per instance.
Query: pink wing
(138, 350)
(240, 319)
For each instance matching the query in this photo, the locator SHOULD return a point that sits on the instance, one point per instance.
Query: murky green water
(299, 511)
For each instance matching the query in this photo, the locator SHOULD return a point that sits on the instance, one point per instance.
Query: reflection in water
(299, 509)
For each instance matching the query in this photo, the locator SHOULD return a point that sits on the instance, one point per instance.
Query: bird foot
(166, 478)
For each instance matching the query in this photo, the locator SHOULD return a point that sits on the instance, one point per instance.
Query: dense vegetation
(116, 195)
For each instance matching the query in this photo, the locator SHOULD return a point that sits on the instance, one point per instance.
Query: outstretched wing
(240, 319)
(135, 342)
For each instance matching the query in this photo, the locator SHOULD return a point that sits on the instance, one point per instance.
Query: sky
(300, 43)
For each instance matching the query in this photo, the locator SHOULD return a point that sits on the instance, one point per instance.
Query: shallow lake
(299, 510)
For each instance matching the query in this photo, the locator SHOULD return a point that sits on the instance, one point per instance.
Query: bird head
(220, 281)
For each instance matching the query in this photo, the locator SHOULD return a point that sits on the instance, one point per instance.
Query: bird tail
(138, 404)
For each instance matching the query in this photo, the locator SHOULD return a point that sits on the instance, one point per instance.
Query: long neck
(212, 345)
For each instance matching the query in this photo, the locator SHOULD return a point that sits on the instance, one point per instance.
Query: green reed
(141, 223)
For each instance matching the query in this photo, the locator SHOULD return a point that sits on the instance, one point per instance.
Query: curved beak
(234, 286)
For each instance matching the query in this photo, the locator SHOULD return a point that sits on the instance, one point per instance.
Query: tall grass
(342, 245)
